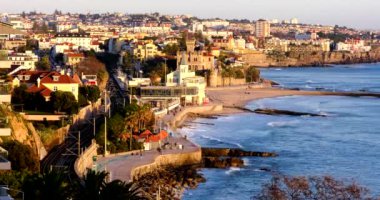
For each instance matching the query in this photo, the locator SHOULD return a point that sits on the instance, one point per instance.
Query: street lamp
(19, 191)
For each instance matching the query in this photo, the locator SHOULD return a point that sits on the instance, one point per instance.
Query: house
(48, 82)
(152, 141)
(73, 58)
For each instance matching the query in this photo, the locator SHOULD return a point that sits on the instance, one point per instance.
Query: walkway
(120, 167)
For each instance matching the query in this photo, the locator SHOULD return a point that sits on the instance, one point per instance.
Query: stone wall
(181, 116)
(85, 160)
(168, 160)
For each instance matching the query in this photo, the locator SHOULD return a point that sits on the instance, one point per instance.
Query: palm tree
(94, 186)
(91, 185)
(119, 190)
(51, 185)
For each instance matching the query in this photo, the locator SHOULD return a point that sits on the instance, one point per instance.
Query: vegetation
(252, 74)
(64, 102)
(121, 126)
(44, 63)
(21, 156)
(55, 185)
(30, 101)
(95, 187)
(91, 65)
(171, 49)
(91, 93)
(310, 188)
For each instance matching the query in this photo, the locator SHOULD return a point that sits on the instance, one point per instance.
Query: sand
(240, 96)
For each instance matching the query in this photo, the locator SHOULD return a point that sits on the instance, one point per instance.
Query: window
(55, 88)
(73, 89)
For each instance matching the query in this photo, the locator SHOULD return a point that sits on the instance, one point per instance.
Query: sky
(361, 14)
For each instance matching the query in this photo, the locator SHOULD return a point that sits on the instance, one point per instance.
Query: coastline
(235, 97)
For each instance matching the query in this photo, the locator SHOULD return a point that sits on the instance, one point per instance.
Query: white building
(215, 23)
(184, 77)
(294, 21)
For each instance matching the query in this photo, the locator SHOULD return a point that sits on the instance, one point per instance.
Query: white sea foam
(246, 162)
(278, 69)
(232, 169)
(309, 81)
(282, 123)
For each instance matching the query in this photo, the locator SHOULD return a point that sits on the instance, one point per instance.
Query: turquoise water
(346, 144)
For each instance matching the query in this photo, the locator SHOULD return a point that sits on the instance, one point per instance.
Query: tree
(43, 63)
(22, 157)
(171, 49)
(95, 187)
(91, 92)
(310, 188)
(252, 74)
(64, 102)
(50, 185)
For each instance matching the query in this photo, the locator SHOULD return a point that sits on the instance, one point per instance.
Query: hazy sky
(353, 13)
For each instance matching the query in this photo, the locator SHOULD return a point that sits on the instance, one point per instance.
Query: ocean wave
(308, 87)
(282, 123)
(232, 169)
(278, 69)
(220, 141)
(309, 81)
(246, 162)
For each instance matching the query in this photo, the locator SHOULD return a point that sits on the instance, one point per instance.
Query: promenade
(121, 166)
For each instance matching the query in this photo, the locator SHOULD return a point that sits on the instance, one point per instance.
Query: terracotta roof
(62, 79)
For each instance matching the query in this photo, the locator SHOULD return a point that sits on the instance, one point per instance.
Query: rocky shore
(170, 182)
(228, 157)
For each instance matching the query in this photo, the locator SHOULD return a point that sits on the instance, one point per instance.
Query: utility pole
(105, 123)
(78, 143)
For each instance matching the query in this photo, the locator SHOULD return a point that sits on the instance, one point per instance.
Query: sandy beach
(231, 97)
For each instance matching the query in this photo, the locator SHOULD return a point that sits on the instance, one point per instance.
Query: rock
(234, 152)
(222, 163)
(285, 112)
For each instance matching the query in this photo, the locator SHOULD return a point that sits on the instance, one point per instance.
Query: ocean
(345, 144)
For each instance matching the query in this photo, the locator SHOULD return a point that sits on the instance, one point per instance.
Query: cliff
(296, 59)
(23, 131)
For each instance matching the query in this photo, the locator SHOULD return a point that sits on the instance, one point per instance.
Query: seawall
(176, 160)
(181, 116)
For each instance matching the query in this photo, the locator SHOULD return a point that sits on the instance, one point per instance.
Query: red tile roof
(62, 79)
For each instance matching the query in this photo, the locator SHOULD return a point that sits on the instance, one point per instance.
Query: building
(64, 26)
(262, 28)
(73, 59)
(294, 21)
(27, 59)
(196, 59)
(7, 32)
(182, 76)
(48, 82)
(144, 50)
(81, 40)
